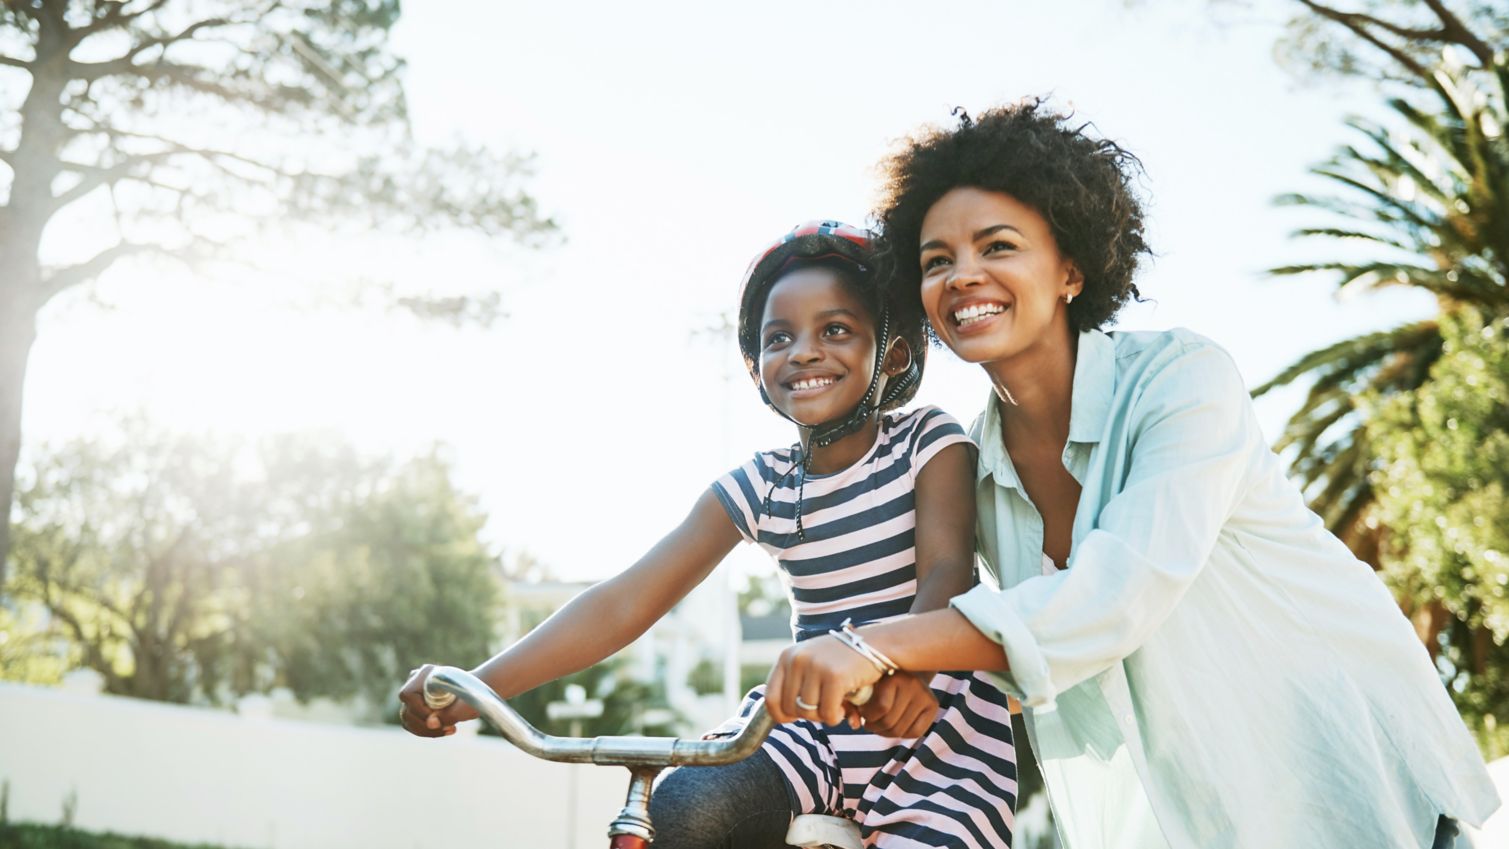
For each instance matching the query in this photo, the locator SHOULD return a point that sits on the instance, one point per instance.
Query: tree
(1399, 41)
(1425, 204)
(194, 569)
(1443, 494)
(1402, 440)
(184, 125)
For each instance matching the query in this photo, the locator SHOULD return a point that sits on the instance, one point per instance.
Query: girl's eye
(777, 338)
(836, 329)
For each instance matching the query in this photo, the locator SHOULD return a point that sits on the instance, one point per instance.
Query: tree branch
(115, 16)
(73, 275)
(95, 176)
(126, 63)
(1458, 33)
(1354, 22)
(13, 62)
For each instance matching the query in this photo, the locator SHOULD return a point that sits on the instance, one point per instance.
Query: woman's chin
(977, 350)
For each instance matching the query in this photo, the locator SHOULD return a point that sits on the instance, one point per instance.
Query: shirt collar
(1094, 384)
(1090, 404)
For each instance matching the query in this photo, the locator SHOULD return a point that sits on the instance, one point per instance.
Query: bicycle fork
(632, 829)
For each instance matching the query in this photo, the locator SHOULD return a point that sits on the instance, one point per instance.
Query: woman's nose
(966, 272)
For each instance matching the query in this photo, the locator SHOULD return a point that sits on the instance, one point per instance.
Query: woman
(1201, 662)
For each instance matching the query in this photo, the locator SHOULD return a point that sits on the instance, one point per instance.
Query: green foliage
(1443, 494)
(28, 836)
(375, 586)
(1422, 203)
(1402, 444)
(629, 706)
(706, 678)
(193, 569)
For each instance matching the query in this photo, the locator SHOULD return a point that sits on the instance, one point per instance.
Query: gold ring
(803, 705)
(401, 715)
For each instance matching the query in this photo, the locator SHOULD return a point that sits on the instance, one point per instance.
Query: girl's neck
(843, 453)
(1035, 391)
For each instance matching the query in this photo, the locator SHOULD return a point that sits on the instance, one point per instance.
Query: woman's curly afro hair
(1080, 184)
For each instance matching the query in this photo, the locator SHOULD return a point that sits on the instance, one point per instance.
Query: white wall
(191, 774)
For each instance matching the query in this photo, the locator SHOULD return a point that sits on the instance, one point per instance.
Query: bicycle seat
(815, 831)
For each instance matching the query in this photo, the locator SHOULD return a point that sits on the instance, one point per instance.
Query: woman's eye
(933, 262)
(999, 246)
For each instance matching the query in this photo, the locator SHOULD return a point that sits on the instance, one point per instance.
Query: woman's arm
(1196, 439)
(1193, 445)
(598, 622)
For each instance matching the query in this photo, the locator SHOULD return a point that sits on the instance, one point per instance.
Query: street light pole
(575, 707)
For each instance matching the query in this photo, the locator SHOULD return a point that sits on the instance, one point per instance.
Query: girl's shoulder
(920, 433)
(926, 421)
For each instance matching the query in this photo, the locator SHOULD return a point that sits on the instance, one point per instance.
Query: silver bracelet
(850, 637)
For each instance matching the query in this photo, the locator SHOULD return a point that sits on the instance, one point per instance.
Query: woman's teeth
(812, 383)
(978, 312)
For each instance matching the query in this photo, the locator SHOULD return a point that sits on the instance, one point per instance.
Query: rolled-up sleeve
(1192, 443)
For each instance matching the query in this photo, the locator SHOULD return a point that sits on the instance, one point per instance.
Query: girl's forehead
(812, 291)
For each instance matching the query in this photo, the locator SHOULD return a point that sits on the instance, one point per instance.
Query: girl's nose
(805, 350)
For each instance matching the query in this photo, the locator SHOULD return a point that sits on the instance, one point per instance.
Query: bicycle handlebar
(446, 683)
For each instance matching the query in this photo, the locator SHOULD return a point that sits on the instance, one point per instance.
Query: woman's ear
(1074, 284)
(899, 358)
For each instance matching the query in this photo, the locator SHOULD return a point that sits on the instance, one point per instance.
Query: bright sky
(673, 141)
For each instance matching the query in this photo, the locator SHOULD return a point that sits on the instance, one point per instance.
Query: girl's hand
(903, 706)
(417, 717)
(821, 672)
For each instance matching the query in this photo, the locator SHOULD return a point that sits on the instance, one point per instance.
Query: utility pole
(575, 707)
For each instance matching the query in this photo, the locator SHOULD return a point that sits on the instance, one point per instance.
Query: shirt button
(1128, 719)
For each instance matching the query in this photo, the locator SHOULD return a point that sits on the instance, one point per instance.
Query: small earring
(1068, 298)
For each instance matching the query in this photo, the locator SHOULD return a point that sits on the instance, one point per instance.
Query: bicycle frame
(644, 757)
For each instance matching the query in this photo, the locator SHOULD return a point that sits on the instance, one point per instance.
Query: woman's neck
(1035, 391)
(843, 453)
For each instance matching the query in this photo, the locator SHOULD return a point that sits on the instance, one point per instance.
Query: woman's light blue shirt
(1213, 668)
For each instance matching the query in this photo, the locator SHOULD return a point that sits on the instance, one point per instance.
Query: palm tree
(1428, 205)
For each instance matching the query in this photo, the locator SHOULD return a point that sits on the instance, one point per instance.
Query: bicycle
(644, 757)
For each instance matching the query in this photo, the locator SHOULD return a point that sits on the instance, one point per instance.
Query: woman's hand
(821, 672)
(902, 706)
(417, 717)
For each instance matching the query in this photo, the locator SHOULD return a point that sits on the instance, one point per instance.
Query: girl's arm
(945, 537)
(597, 623)
(903, 705)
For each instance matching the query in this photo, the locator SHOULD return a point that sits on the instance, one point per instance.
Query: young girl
(869, 516)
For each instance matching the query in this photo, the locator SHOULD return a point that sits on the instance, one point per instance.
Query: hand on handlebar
(822, 672)
(419, 718)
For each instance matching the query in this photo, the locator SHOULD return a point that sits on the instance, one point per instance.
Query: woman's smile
(975, 316)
